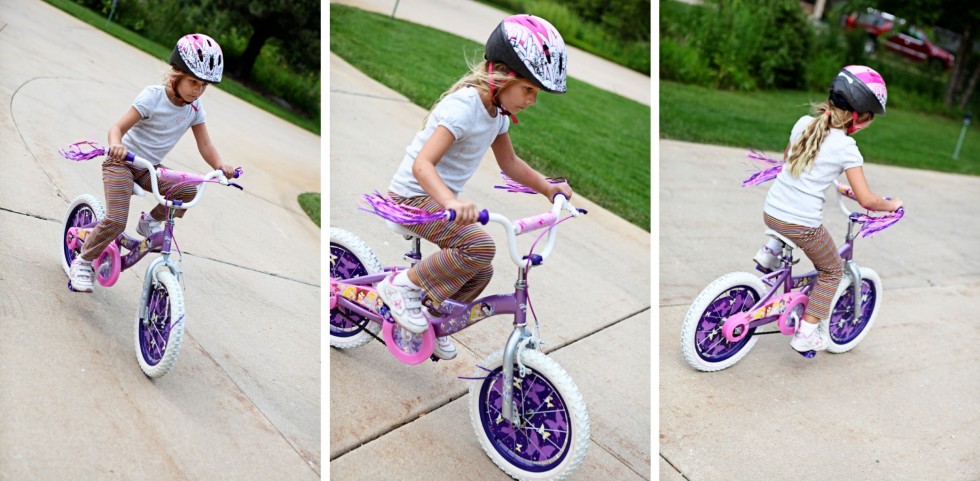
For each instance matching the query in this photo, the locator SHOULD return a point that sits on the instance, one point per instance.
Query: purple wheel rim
(155, 332)
(345, 265)
(544, 436)
(710, 343)
(844, 326)
(81, 216)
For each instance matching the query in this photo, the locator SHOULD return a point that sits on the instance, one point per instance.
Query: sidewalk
(475, 21)
(386, 417)
(243, 399)
(911, 382)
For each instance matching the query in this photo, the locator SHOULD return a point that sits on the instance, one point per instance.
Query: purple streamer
(768, 173)
(873, 225)
(386, 208)
(511, 185)
(78, 151)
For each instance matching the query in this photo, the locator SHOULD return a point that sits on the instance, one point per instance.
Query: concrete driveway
(903, 405)
(243, 400)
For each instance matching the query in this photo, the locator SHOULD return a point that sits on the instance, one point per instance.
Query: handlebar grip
(129, 156)
(238, 173)
(483, 218)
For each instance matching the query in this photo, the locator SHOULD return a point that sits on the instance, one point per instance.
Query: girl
(819, 150)
(524, 54)
(151, 127)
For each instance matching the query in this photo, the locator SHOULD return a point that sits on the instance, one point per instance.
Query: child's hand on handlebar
(117, 152)
(896, 203)
(466, 212)
(228, 171)
(555, 189)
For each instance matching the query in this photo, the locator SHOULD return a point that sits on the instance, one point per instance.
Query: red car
(913, 44)
(875, 22)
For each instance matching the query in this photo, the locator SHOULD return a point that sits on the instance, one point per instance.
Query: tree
(294, 22)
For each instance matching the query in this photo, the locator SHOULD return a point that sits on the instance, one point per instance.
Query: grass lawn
(763, 119)
(310, 202)
(598, 140)
(161, 52)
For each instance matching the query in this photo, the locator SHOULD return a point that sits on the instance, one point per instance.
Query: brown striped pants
(462, 268)
(118, 177)
(819, 247)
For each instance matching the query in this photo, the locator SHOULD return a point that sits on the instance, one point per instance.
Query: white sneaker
(147, 226)
(81, 275)
(767, 257)
(445, 349)
(404, 303)
(817, 340)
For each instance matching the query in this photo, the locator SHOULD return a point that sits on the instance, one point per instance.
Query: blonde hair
(806, 148)
(170, 75)
(479, 78)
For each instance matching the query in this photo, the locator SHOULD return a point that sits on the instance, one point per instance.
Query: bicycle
(720, 326)
(160, 319)
(527, 413)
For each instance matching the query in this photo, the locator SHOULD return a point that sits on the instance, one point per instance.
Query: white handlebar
(155, 174)
(513, 230)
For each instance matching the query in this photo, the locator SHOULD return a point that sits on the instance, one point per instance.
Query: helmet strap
(493, 92)
(855, 126)
(173, 86)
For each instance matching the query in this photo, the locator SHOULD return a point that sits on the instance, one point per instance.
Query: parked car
(876, 23)
(913, 44)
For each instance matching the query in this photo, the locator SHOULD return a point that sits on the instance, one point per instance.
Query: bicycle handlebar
(514, 228)
(86, 150)
(870, 224)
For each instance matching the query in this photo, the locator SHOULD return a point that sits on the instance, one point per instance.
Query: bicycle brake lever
(232, 184)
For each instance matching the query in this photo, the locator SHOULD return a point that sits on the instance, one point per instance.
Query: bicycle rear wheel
(84, 211)
(350, 257)
(552, 437)
(160, 333)
(702, 342)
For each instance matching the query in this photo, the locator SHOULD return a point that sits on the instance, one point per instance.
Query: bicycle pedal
(807, 354)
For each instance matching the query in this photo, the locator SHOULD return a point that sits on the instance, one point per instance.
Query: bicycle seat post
(414, 255)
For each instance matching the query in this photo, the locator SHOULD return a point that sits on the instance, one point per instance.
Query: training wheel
(407, 346)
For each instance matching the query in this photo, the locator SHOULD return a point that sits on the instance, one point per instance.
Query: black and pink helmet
(532, 48)
(859, 89)
(200, 56)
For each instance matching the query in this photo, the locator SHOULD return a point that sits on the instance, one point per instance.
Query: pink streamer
(386, 208)
(511, 185)
(768, 173)
(84, 150)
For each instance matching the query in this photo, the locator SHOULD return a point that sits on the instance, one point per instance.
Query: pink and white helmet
(533, 48)
(200, 56)
(859, 89)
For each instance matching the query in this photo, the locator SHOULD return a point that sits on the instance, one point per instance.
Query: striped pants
(819, 247)
(462, 268)
(118, 178)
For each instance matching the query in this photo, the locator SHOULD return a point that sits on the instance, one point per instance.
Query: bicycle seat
(400, 229)
(784, 239)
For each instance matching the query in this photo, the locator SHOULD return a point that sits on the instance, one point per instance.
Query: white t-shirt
(463, 114)
(161, 124)
(799, 200)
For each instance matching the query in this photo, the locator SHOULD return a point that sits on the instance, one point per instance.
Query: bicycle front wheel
(160, 325)
(847, 329)
(702, 342)
(551, 437)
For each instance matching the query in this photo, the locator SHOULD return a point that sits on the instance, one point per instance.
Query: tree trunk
(255, 43)
(968, 93)
(959, 67)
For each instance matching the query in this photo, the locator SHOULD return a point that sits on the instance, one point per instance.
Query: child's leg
(185, 192)
(819, 247)
(117, 179)
(462, 269)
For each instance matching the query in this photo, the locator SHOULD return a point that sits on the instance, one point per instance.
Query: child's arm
(517, 169)
(209, 151)
(424, 170)
(869, 200)
(116, 149)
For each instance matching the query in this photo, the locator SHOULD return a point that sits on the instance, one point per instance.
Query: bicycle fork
(519, 339)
